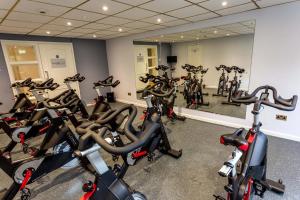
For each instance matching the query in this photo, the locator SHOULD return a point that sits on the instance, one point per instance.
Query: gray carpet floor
(193, 176)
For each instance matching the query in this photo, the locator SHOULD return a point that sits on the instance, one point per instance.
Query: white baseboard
(281, 135)
(222, 123)
(211, 86)
(131, 102)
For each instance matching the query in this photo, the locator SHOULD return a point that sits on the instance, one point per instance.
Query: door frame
(146, 58)
(38, 54)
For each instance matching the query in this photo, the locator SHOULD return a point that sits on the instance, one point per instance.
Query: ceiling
(228, 30)
(105, 19)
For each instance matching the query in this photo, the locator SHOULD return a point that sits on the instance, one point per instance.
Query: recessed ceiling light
(156, 40)
(69, 23)
(224, 3)
(228, 34)
(48, 32)
(104, 8)
(181, 36)
(215, 31)
(120, 29)
(94, 36)
(158, 20)
(197, 38)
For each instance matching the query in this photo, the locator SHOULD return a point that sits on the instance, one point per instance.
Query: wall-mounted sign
(58, 62)
(140, 58)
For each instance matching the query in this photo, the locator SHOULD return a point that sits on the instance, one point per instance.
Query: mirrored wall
(212, 64)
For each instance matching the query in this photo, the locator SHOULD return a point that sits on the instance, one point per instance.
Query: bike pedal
(115, 158)
(218, 197)
(117, 168)
(88, 187)
(25, 194)
(228, 188)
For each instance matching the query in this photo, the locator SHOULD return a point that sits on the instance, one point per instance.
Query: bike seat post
(18, 90)
(39, 97)
(256, 111)
(148, 101)
(98, 91)
(68, 85)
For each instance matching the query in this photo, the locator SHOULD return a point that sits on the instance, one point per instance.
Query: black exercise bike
(108, 183)
(247, 168)
(234, 85)
(223, 80)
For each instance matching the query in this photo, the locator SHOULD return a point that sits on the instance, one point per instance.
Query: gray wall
(90, 57)
(91, 61)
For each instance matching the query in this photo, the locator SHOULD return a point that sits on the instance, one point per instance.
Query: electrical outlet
(129, 93)
(281, 117)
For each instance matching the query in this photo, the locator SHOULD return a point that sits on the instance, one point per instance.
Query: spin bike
(159, 85)
(107, 184)
(193, 87)
(247, 168)
(41, 160)
(22, 107)
(223, 80)
(234, 86)
(101, 102)
(70, 94)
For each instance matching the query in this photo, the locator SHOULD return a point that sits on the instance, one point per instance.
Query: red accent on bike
(244, 147)
(251, 137)
(193, 102)
(248, 194)
(8, 119)
(171, 111)
(228, 196)
(222, 140)
(143, 117)
(28, 174)
(22, 137)
(139, 154)
(88, 195)
(31, 108)
(44, 129)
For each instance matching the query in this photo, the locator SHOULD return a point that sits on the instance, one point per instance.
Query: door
(22, 61)
(58, 63)
(195, 55)
(145, 58)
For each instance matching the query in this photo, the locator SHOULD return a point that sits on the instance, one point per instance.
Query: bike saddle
(235, 139)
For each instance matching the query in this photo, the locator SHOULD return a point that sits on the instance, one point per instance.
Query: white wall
(229, 51)
(275, 61)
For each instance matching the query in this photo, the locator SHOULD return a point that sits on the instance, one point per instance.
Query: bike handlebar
(279, 102)
(46, 103)
(74, 78)
(25, 83)
(108, 82)
(46, 85)
(89, 131)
